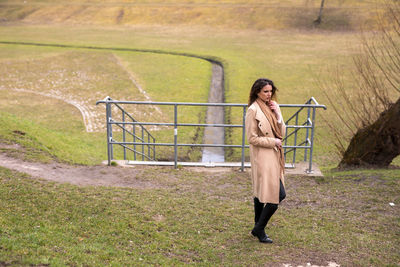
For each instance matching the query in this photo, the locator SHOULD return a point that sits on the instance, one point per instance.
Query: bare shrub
(374, 86)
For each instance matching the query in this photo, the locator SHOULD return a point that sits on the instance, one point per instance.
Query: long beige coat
(264, 156)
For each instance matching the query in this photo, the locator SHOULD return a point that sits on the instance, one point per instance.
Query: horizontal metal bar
(144, 123)
(178, 124)
(301, 105)
(298, 126)
(194, 124)
(172, 144)
(200, 104)
(296, 146)
(210, 125)
(169, 103)
(192, 145)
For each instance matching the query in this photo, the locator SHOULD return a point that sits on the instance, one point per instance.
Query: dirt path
(98, 175)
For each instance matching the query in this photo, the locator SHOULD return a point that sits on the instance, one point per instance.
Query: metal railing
(307, 144)
(293, 130)
(146, 150)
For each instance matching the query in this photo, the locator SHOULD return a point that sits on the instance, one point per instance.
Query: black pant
(282, 193)
(258, 206)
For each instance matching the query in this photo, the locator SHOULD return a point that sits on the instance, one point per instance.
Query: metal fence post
(154, 148)
(148, 146)
(123, 132)
(312, 141)
(108, 133)
(307, 131)
(295, 138)
(243, 137)
(175, 136)
(134, 141)
(142, 145)
(111, 135)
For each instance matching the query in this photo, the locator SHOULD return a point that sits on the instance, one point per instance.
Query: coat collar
(259, 113)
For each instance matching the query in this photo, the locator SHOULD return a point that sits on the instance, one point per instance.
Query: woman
(265, 129)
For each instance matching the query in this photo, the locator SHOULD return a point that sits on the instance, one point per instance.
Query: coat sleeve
(252, 132)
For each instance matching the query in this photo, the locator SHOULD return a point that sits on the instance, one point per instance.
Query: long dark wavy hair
(257, 86)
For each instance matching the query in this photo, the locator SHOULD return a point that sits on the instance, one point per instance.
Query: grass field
(201, 218)
(184, 216)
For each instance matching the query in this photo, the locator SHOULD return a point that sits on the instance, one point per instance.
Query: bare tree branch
(368, 106)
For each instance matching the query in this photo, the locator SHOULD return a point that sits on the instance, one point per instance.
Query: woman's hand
(275, 109)
(278, 142)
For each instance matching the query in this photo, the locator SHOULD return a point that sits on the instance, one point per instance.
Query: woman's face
(265, 93)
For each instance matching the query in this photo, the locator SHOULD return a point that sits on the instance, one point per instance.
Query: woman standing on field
(265, 129)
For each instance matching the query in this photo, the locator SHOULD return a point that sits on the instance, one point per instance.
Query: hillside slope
(259, 15)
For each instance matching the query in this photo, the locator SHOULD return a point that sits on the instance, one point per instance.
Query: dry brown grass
(259, 15)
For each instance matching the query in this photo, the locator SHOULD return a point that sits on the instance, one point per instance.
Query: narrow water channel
(215, 115)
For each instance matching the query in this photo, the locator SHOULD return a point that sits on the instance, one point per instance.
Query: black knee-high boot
(258, 207)
(266, 214)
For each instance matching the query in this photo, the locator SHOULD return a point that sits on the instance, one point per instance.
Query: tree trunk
(319, 19)
(377, 144)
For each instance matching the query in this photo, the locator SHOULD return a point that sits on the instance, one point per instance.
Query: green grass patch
(45, 144)
(344, 217)
(50, 112)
